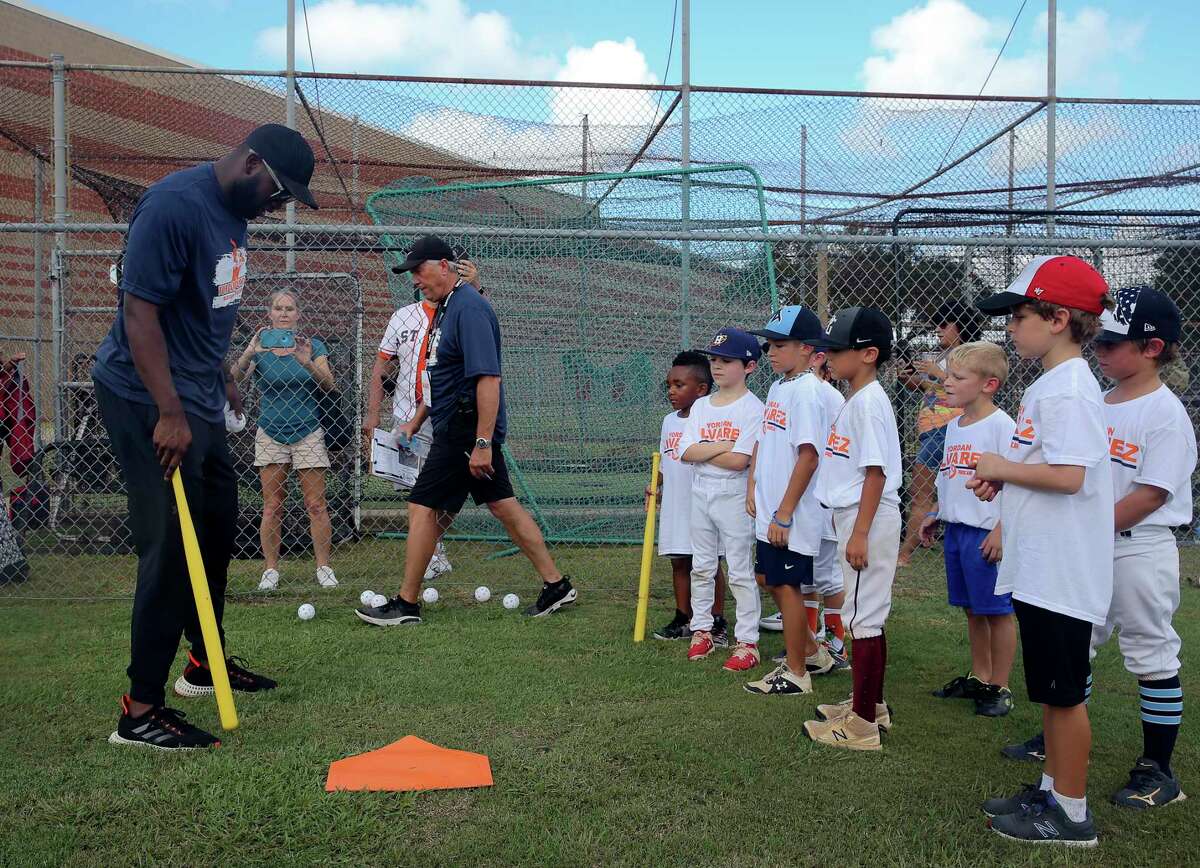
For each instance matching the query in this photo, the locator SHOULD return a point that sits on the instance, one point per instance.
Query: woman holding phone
(287, 369)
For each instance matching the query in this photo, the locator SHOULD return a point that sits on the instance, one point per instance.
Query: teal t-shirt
(287, 406)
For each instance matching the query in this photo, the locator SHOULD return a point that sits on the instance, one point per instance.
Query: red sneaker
(743, 658)
(702, 645)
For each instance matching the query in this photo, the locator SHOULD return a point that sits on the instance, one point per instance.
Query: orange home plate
(410, 764)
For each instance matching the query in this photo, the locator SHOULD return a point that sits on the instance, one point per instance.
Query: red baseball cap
(1062, 280)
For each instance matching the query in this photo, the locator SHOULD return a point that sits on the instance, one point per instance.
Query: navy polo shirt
(466, 346)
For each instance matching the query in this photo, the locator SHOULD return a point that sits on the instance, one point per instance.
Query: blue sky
(1107, 48)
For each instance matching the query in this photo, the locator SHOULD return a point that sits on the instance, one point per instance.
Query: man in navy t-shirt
(464, 396)
(159, 379)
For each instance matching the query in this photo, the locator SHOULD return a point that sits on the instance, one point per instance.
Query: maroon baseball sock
(867, 669)
(882, 665)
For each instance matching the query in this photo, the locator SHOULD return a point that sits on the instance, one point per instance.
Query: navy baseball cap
(793, 322)
(424, 249)
(1142, 312)
(731, 343)
(856, 328)
(288, 155)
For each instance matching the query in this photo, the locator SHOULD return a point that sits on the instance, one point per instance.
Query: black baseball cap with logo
(424, 249)
(856, 328)
(288, 155)
(1142, 312)
(793, 322)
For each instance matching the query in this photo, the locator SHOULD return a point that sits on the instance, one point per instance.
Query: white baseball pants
(869, 591)
(720, 522)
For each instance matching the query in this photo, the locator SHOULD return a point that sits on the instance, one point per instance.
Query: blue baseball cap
(731, 343)
(793, 322)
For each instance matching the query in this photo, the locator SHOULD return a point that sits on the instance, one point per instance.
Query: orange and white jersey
(964, 445)
(1151, 442)
(738, 422)
(863, 435)
(404, 341)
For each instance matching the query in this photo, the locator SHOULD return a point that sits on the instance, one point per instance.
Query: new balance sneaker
(720, 632)
(837, 710)
(196, 679)
(849, 732)
(781, 681)
(677, 629)
(998, 807)
(394, 613)
(773, 623)
(326, 578)
(994, 701)
(269, 580)
(1032, 750)
(743, 659)
(552, 598)
(1149, 787)
(1043, 821)
(160, 728)
(963, 687)
(701, 646)
(439, 564)
(841, 663)
(819, 663)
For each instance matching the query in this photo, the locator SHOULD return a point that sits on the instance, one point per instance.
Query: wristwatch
(483, 443)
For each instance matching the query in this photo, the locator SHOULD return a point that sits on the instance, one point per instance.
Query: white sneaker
(774, 623)
(326, 578)
(439, 565)
(269, 580)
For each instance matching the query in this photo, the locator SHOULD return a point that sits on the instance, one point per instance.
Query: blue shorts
(783, 566)
(931, 445)
(970, 579)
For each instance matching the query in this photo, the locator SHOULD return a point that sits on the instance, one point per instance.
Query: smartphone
(277, 339)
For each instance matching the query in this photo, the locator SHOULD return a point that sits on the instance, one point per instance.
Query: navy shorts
(931, 446)
(970, 579)
(782, 566)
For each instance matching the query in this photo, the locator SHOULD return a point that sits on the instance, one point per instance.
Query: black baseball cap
(425, 248)
(793, 322)
(856, 328)
(1142, 312)
(288, 155)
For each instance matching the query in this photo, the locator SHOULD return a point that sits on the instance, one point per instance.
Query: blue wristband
(775, 518)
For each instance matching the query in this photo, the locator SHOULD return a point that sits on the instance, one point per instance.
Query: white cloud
(944, 46)
(608, 61)
(1071, 137)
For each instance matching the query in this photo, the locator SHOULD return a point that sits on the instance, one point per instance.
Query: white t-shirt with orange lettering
(863, 435)
(675, 526)
(964, 445)
(738, 422)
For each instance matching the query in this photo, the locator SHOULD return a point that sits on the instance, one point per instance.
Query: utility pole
(1051, 108)
(291, 121)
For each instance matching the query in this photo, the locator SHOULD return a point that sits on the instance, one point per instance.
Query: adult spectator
(464, 396)
(954, 324)
(17, 421)
(289, 432)
(159, 386)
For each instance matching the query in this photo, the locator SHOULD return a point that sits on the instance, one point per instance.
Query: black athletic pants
(163, 604)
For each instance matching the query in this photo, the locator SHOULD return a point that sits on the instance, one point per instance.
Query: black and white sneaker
(552, 598)
(394, 613)
(1149, 787)
(1033, 750)
(196, 679)
(1043, 821)
(677, 629)
(720, 632)
(160, 728)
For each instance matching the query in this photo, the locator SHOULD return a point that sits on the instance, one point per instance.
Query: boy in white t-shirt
(780, 498)
(719, 439)
(859, 478)
(1057, 564)
(688, 380)
(971, 537)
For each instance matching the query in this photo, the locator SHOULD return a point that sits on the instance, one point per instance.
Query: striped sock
(1162, 711)
(813, 609)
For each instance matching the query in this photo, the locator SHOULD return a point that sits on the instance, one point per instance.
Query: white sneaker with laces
(439, 564)
(774, 623)
(269, 580)
(326, 578)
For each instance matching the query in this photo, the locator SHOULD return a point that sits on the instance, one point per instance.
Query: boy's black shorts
(445, 479)
(1055, 649)
(783, 566)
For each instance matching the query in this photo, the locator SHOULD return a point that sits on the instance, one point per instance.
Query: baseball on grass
(429, 595)
(511, 601)
(378, 600)
(366, 597)
(482, 594)
(306, 612)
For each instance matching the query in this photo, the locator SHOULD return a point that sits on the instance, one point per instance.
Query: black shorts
(782, 566)
(445, 480)
(1055, 649)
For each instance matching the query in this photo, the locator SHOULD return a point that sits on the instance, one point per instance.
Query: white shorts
(1145, 597)
(869, 591)
(302, 455)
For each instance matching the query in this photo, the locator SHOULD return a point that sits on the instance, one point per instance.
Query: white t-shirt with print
(707, 423)
(833, 401)
(674, 527)
(402, 341)
(1151, 442)
(964, 445)
(1058, 548)
(863, 435)
(794, 416)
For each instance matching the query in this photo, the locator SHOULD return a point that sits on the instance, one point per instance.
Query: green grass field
(603, 752)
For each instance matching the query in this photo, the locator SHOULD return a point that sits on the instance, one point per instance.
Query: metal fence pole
(803, 177)
(58, 265)
(1051, 108)
(1008, 229)
(38, 403)
(685, 160)
(291, 120)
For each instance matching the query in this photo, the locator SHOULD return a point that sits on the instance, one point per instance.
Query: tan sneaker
(838, 710)
(781, 681)
(849, 732)
(819, 663)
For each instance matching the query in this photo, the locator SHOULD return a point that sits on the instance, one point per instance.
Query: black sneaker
(393, 613)
(677, 629)
(552, 598)
(1000, 807)
(963, 687)
(994, 701)
(1149, 787)
(1043, 821)
(161, 728)
(1033, 750)
(196, 679)
(720, 632)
